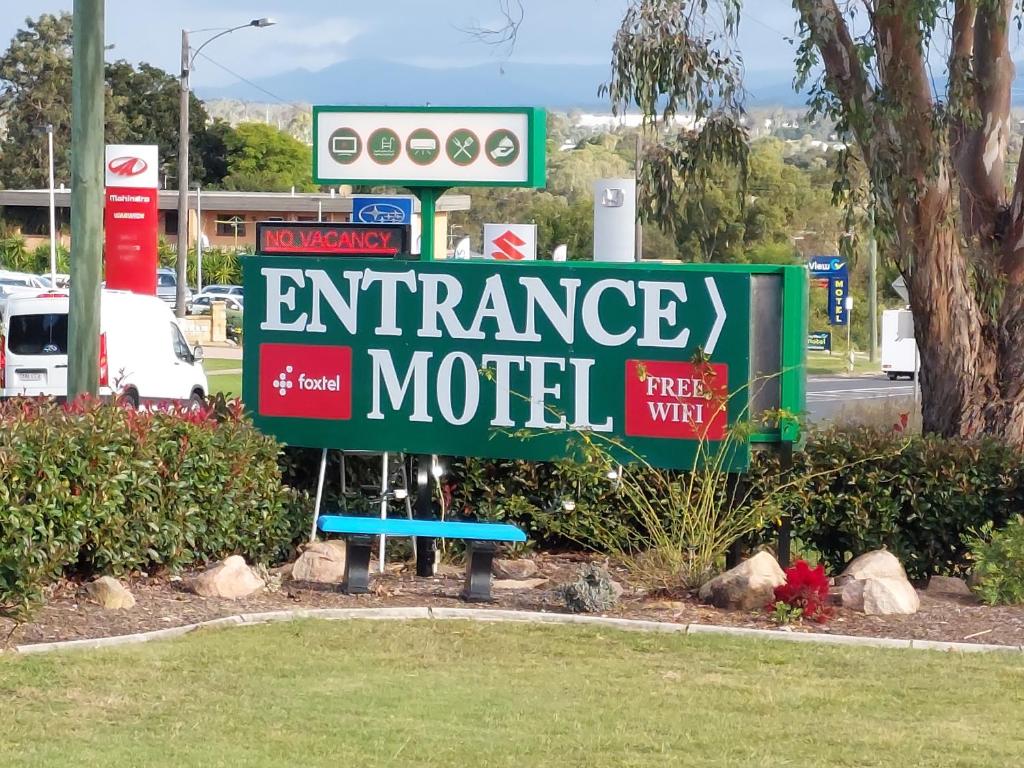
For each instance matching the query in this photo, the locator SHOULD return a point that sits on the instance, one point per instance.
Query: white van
(144, 357)
(899, 348)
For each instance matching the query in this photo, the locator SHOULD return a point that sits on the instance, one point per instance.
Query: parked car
(144, 357)
(13, 283)
(167, 286)
(202, 302)
(222, 290)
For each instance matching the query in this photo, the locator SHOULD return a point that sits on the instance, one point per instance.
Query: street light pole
(53, 212)
(183, 141)
(187, 57)
(199, 238)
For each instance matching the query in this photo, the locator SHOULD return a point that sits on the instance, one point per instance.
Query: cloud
(308, 43)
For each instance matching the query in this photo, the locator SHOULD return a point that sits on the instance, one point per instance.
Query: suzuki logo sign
(510, 242)
(127, 166)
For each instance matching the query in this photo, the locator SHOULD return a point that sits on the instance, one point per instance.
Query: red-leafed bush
(89, 488)
(805, 591)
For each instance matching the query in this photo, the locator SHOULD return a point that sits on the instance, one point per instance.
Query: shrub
(918, 496)
(91, 488)
(998, 557)
(592, 592)
(805, 594)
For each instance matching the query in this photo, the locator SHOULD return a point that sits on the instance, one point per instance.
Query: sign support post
(428, 211)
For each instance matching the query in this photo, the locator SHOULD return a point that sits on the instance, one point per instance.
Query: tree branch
(843, 68)
(980, 152)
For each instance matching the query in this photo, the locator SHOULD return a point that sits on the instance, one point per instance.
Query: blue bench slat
(435, 529)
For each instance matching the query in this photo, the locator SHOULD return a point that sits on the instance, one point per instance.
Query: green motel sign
(491, 359)
(433, 147)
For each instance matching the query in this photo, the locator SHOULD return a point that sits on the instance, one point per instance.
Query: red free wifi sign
(676, 400)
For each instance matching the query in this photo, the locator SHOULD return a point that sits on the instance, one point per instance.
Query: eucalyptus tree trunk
(936, 161)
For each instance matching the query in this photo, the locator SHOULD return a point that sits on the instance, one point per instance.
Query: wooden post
(87, 182)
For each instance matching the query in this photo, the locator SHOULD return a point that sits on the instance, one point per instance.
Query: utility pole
(87, 126)
(872, 284)
(183, 140)
(639, 245)
(53, 211)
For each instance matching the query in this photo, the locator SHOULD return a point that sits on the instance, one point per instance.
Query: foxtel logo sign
(676, 400)
(305, 381)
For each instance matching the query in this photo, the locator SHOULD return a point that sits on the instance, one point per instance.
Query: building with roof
(228, 218)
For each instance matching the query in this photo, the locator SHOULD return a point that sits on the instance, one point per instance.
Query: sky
(313, 34)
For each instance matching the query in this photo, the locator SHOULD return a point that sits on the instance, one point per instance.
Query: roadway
(827, 395)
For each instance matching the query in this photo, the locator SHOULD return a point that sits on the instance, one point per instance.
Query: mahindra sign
(131, 210)
(499, 359)
(132, 165)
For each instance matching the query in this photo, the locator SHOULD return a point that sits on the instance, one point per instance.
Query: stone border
(496, 615)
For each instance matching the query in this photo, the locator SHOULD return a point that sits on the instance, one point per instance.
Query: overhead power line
(243, 79)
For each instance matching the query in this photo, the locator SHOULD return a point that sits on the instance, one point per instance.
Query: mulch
(163, 602)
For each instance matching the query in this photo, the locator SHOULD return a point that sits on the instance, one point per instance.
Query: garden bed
(163, 603)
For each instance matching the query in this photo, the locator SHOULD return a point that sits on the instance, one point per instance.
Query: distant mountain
(373, 82)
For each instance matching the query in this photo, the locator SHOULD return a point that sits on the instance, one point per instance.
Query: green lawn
(450, 694)
(821, 363)
(228, 383)
(220, 364)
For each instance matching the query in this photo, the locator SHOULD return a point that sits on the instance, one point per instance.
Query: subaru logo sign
(375, 210)
(826, 264)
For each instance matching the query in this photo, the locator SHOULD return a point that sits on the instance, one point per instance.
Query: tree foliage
(261, 157)
(935, 160)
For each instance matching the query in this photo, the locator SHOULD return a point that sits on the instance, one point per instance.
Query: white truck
(899, 349)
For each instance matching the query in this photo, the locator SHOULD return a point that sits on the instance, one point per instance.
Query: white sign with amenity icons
(428, 146)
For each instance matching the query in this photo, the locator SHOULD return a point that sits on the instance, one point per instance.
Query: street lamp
(188, 56)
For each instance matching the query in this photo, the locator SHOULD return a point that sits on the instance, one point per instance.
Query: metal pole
(183, 140)
(199, 238)
(428, 203)
(639, 227)
(872, 285)
(87, 84)
(383, 507)
(319, 210)
(319, 493)
(53, 212)
(849, 338)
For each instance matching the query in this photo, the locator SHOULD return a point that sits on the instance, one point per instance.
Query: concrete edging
(500, 615)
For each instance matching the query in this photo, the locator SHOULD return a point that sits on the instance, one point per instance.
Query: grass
(443, 694)
(220, 364)
(228, 383)
(821, 363)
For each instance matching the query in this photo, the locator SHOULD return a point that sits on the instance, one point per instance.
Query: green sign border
(792, 364)
(536, 138)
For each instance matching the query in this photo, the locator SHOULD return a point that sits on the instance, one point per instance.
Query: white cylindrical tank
(615, 220)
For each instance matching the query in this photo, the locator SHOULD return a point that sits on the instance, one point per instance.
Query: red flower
(806, 588)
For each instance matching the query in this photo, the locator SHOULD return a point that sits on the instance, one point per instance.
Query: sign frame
(787, 287)
(402, 231)
(536, 150)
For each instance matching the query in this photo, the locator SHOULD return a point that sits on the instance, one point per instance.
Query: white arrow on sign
(720, 315)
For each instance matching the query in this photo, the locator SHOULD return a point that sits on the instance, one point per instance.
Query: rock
(852, 595)
(231, 578)
(879, 564)
(881, 597)
(322, 562)
(514, 569)
(948, 586)
(518, 584)
(751, 584)
(110, 594)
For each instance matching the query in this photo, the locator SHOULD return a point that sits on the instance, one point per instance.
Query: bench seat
(481, 539)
